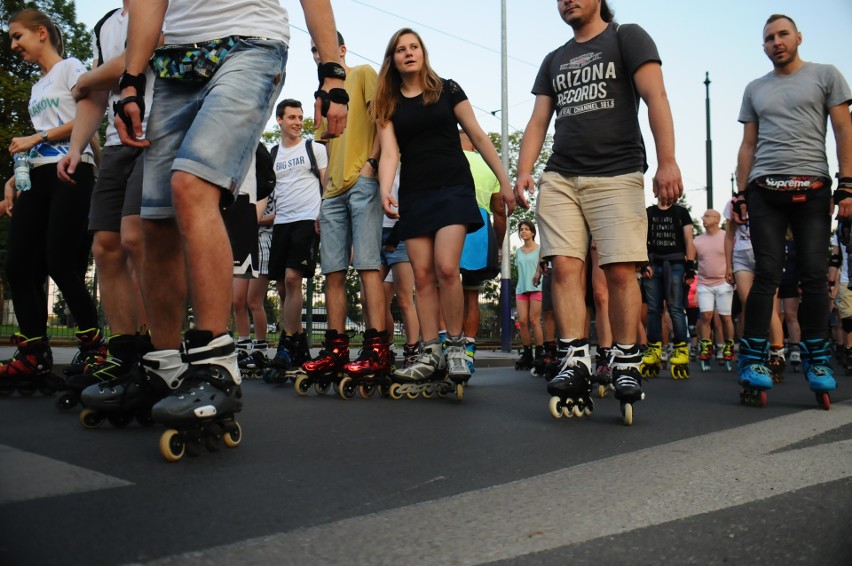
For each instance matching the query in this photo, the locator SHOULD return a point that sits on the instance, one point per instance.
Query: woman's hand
(23, 143)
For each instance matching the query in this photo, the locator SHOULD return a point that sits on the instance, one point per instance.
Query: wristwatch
(374, 163)
(44, 135)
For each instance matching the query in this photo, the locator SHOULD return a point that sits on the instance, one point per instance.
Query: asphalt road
(698, 479)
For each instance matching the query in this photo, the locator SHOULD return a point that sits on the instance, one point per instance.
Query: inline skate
(301, 353)
(538, 361)
(276, 370)
(705, 354)
(525, 360)
(254, 362)
(626, 375)
(122, 355)
(132, 394)
(603, 372)
(199, 413)
(470, 352)
(410, 352)
(328, 367)
(728, 355)
(816, 365)
(652, 360)
(796, 357)
(571, 389)
(776, 363)
(544, 366)
(455, 359)
(30, 369)
(754, 377)
(426, 377)
(680, 361)
(370, 371)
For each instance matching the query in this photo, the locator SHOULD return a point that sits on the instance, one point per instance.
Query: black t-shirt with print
(665, 232)
(597, 128)
(429, 144)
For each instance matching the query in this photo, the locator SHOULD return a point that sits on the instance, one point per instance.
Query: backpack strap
(97, 32)
(309, 147)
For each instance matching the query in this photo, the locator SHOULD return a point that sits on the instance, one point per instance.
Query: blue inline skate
(816, 359)
(753, 374)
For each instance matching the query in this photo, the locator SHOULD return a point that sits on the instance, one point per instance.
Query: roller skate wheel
(91, 418)
(427, 393)
(459, 391)
(627, 413)
(578, 411)
(6, 389)
(602, 391)
(394, 391)
(172, 446)
(366, 391)
(761, 399)
(346, 388)
(232, 438)
(322, 388)
(66, 402)
(555, 406)
(412, 394)
(302, 385)
(26, 389)
(824, 400)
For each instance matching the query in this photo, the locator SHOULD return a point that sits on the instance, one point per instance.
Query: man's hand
(739, 208)
(390, 206)
(523, 183)
(67, 166)
(336, 114)
(128, 121)
(668, 185)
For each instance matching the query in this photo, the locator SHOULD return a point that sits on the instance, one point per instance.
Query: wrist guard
(136, 81)
(836, 261)
(841, 194)
(118, 107)
(738, 204)
(336, 95)
(330, 71)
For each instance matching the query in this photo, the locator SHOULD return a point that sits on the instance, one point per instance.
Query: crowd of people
(401, 184)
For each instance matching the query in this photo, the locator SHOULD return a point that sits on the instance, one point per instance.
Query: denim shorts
(398, 255)
(352, 221)
(211, 129)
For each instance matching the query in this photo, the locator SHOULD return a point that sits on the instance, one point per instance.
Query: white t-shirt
(742, 237)
(191, 21)
(51, 105)
(297, 190)
(113, 39)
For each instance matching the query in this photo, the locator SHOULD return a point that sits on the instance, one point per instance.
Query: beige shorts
(612, 209)
(843, 300)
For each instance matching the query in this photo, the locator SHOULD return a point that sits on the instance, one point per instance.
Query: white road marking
(25, 476)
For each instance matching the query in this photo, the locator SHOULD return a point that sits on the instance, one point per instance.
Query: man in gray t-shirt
(594, 183)
(784, 179)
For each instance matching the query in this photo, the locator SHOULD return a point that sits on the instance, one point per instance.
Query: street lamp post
(505, 274)
(709, 143)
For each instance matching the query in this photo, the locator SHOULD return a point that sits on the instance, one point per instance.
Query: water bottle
(22, 172)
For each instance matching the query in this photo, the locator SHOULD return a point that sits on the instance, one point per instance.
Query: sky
(463, 37)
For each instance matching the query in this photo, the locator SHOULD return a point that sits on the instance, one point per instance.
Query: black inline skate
(371, 370)
(426, 377)
(301, 353)
(537, 369)
(254, 363)
(122, 355)
(30, 368)
(276, 369)
(328, 368)
(525, 360)
(200, 412)
(571, 389)
(131, 395)
(626, 376)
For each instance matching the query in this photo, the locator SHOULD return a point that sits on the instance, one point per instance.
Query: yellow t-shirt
(484, 180)
(348, 153)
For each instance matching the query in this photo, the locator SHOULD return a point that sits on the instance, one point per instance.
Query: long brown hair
(390, 81)
(33, 19)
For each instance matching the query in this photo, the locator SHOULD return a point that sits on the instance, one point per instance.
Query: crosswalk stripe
(27, 476)
(602, 498)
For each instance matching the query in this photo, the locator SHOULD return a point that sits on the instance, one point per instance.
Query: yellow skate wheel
(346, 388)
(578, 411)
(394, 391)
(91, 418)
(602, 391)
(172, 446)
(555, 407)
(302, 385)
(627, 411)
(232, 438)
(459, 391)
(427, 394)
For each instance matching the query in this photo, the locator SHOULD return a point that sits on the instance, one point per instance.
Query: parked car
(319, 321)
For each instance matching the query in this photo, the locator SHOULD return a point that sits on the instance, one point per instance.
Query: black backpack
(265, 170)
